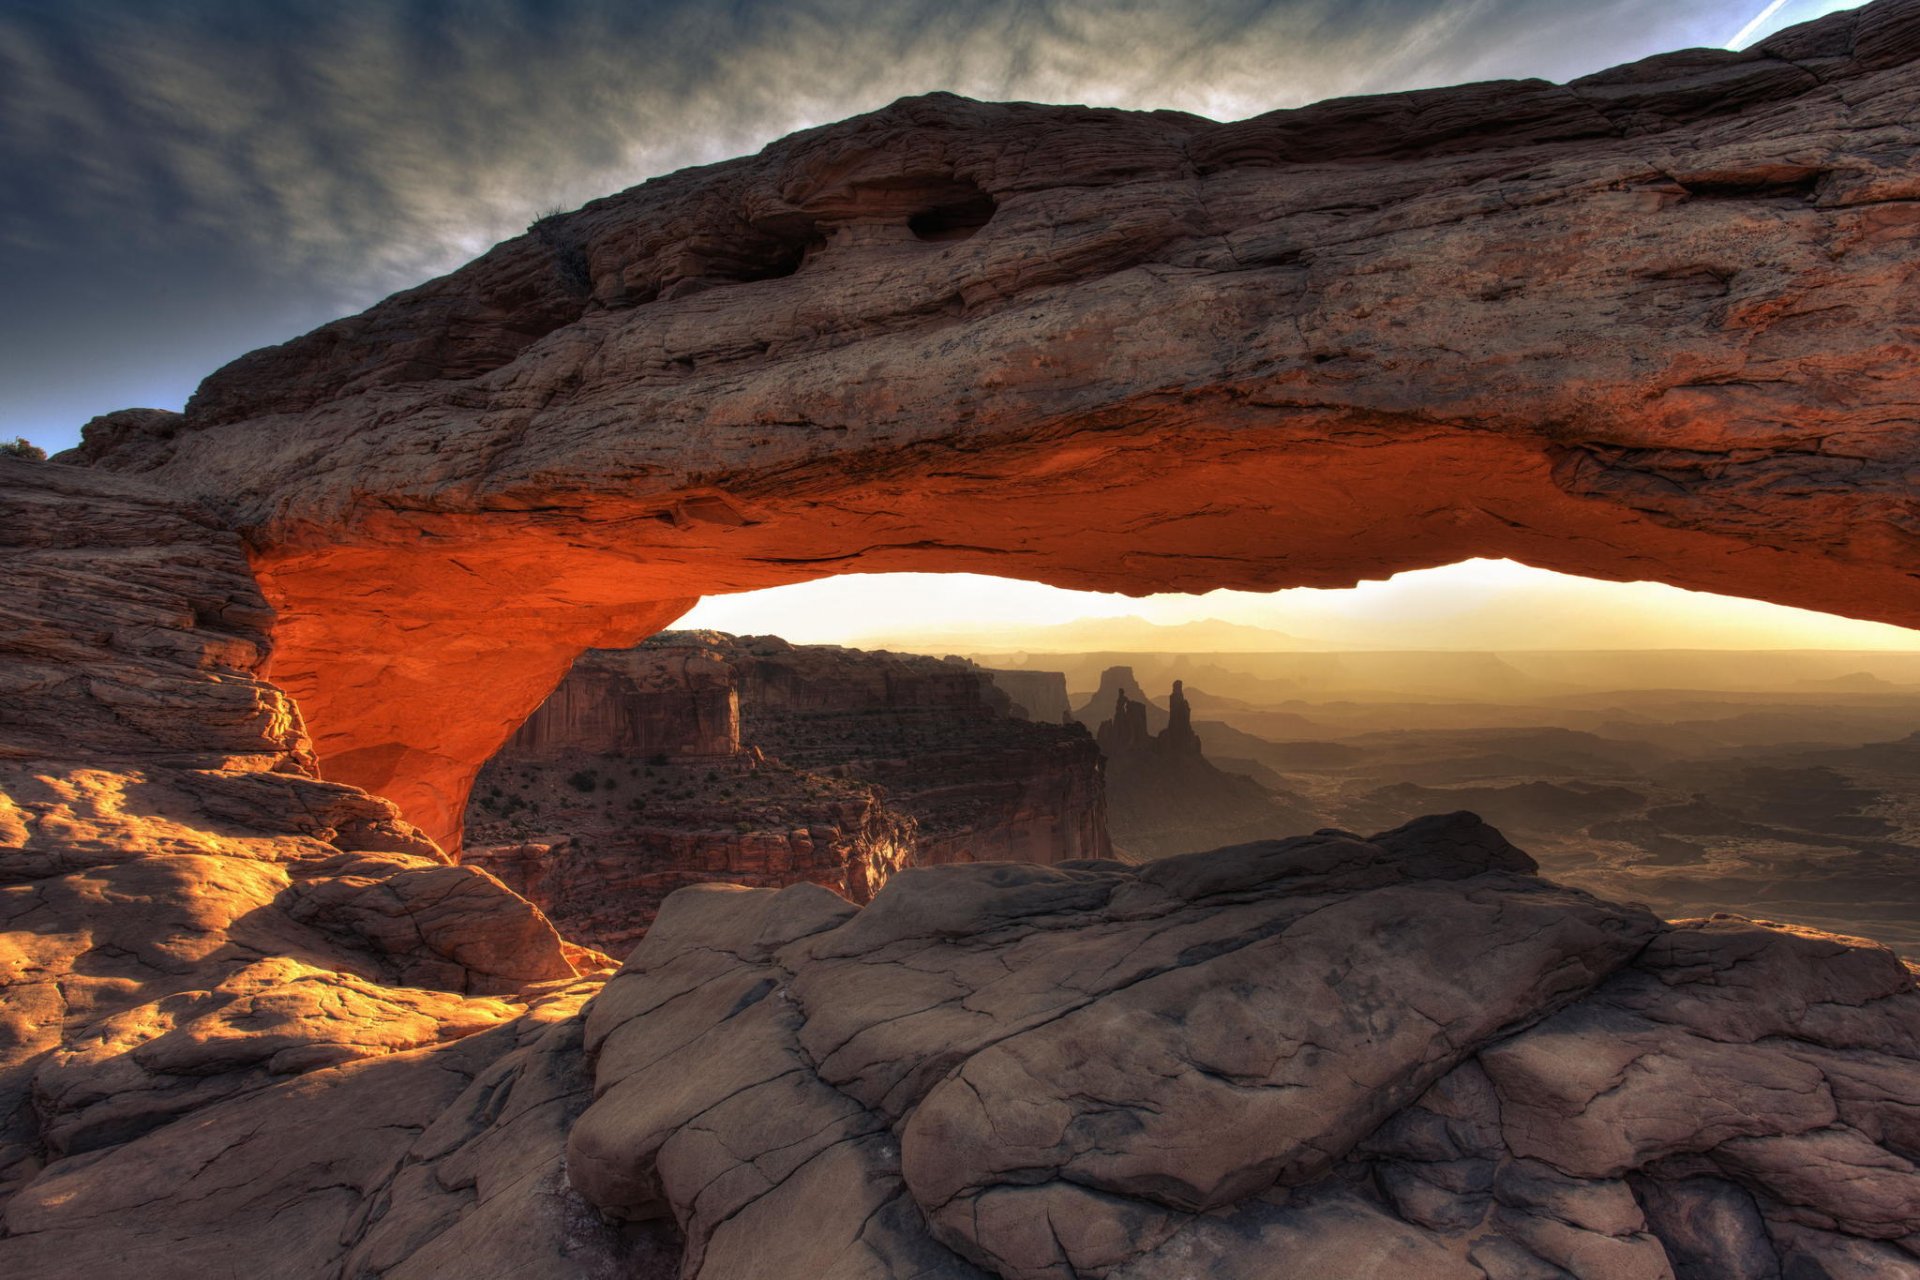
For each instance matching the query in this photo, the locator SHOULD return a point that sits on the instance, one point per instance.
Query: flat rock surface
(1320, 1056)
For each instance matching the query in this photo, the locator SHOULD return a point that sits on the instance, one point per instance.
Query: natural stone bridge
(1658, 323)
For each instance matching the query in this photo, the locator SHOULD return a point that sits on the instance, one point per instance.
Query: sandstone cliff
(1040, 695)
(238, 1040)
(698, 757)
(190, 914)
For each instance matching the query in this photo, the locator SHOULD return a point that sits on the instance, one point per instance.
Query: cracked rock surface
(1312, 1057)
(253, 1022)
(1657, 323)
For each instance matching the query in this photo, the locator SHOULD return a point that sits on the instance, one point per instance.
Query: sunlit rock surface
(1653, 324)
(186, 912)
(256, 1023)
(1319, 1057)
(1290, 1060)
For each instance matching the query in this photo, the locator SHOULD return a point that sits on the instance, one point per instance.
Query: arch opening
(1693, 752)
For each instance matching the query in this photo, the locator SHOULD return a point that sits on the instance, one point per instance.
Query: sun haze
(1495, 605)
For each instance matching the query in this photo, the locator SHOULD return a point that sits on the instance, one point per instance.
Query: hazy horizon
(1473, 606)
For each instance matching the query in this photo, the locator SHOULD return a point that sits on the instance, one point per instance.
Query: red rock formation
(680, 704)
(224, 1052)
(941, 740)
(1656, 323)
(600, 874)
(190, 914)
(1652, 324)
(631, 781)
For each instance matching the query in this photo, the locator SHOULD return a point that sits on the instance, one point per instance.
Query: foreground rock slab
(1326, 1056)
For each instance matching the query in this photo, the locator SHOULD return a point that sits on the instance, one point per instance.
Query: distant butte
(1656, 323)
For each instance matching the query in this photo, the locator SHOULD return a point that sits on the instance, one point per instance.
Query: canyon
(258, 1016)
(697, 757)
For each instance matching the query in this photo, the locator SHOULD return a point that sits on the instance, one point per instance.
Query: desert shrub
(584, 780)
(21, 447)
(558, 233)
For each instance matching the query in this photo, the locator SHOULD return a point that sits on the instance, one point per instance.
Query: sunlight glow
(1496, 605)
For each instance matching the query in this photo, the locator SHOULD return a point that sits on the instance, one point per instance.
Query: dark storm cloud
(187, 179)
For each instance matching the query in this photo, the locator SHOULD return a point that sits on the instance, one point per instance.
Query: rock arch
(1657, 323)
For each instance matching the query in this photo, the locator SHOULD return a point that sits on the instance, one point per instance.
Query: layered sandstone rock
(1106, 1071)
(188, 913)
(1651, 324)
(598, 844)
(699, 756)
(941, 739)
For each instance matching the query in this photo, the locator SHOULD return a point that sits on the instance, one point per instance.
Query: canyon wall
(1041, 695)
(1656, 323)
(687, 708)
(1653, 324)
(697, 757)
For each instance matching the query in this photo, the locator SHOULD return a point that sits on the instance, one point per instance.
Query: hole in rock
(1694, 752)
(956, 220)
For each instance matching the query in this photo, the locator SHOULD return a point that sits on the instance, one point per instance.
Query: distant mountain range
(1104, 635)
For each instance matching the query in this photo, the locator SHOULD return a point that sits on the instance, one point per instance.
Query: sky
(1475, 605)
(184, 180)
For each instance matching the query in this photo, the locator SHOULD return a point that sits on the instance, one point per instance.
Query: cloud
(251, 169)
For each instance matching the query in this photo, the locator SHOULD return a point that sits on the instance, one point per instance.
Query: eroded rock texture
(1325, 1056)
(1318, 1057)
(187, 913)
(256, 1024)
(698, 756)
(1653, 324)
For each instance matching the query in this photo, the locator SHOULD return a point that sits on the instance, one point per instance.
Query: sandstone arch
(1658, 323)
